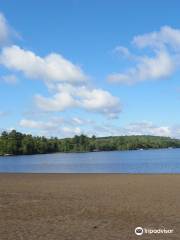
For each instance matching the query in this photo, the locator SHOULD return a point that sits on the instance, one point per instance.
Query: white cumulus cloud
(90, 99)
(52, 67)
(136, 128)
(147, 128)
(162, 61)
(158, 39)
(27, 123)
(53, 127)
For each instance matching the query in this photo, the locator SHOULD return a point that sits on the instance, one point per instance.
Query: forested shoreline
(16, 143)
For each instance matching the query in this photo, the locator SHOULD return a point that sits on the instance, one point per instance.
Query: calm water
(147, 161)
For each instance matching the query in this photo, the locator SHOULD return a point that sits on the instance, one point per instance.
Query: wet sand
(87, 206)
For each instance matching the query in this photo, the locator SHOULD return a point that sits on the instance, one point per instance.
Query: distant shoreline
(16, 143)
(11, 155)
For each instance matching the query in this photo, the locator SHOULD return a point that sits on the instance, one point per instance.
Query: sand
(88, 206)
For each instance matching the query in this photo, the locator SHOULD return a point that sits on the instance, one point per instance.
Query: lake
(137, 161)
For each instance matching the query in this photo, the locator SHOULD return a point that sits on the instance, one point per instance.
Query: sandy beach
(87, 206)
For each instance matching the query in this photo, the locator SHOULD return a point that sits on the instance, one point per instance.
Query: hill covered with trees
(16, 143)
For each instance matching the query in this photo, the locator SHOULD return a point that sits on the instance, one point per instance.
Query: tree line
(16, 143)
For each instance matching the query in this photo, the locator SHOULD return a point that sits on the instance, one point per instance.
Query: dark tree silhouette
(16, 143)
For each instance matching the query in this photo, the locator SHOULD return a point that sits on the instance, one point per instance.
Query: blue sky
(93, 67)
